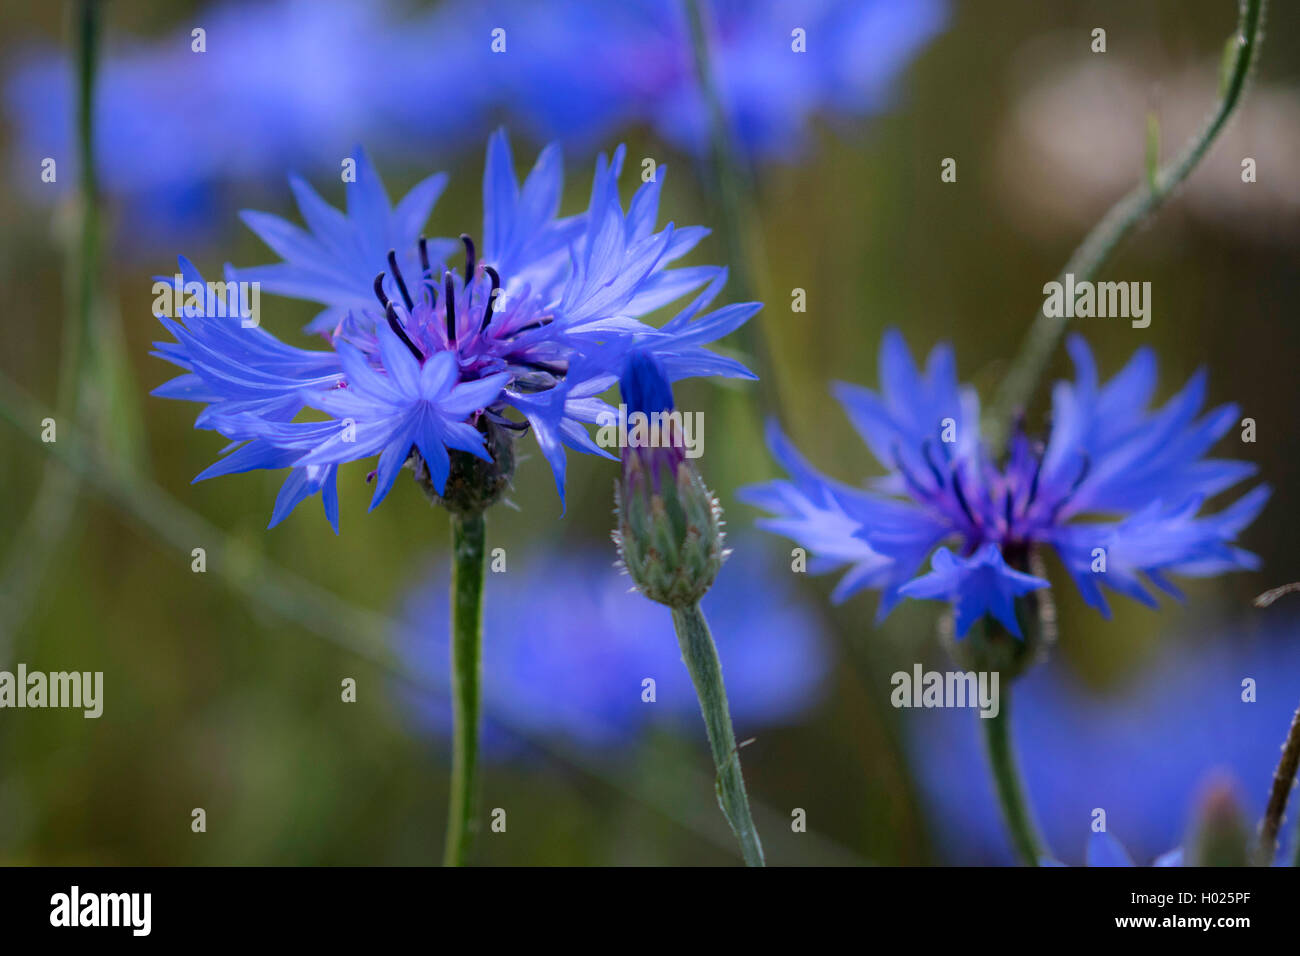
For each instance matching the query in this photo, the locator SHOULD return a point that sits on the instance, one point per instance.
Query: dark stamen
(424, 257)
(396, 326)
(557, 371)
(1033, 485)
(492, 296)
(401, 283)
(449, 299)
(1083, 473)
(391, 314)
(470, 260)
(426, 272)
(961, 496)
(912, 483)
(533, 325)
(507, 423)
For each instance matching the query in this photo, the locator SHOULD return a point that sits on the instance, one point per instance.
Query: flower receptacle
(473, 485)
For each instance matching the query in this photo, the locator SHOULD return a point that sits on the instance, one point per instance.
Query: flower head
(427, 361)
(1108, 455)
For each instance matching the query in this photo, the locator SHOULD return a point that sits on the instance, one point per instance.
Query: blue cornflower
(538, 325)
(1107, 455)
(1140, 750)
(576, 672)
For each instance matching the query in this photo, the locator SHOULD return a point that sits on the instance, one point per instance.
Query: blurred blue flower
(1108, 455)
(1140, 750)
(567, 647)
(289, 83)
(539, 326)
(582, 69)
(295, 83)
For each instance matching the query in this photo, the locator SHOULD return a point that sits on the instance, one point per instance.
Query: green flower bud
(669, 534)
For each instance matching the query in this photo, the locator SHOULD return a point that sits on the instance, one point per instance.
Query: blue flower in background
(295, 83)
(584, 68)
(1141, 751)
(1109, 454)
(539, 326)
(280, 84)
(567, 648)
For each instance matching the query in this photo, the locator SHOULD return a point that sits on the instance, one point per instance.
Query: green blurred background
(213, 702)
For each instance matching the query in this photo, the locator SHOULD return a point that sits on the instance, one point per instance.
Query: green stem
(1011, 789)
(730, 190)
(50, 515)
(1018, 385)
(701, 659)
(78, 350)
(737, 218)
(469, 557)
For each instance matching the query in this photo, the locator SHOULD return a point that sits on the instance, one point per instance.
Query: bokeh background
(214, 701)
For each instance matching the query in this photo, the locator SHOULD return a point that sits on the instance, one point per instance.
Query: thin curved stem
(88, 264)
(729, 183)
(1019, 818)
(1279, 793)
(51, 512)
(737, 217)
(469, 557)
(701, 657)
(1287, 766)
(1018, 385)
